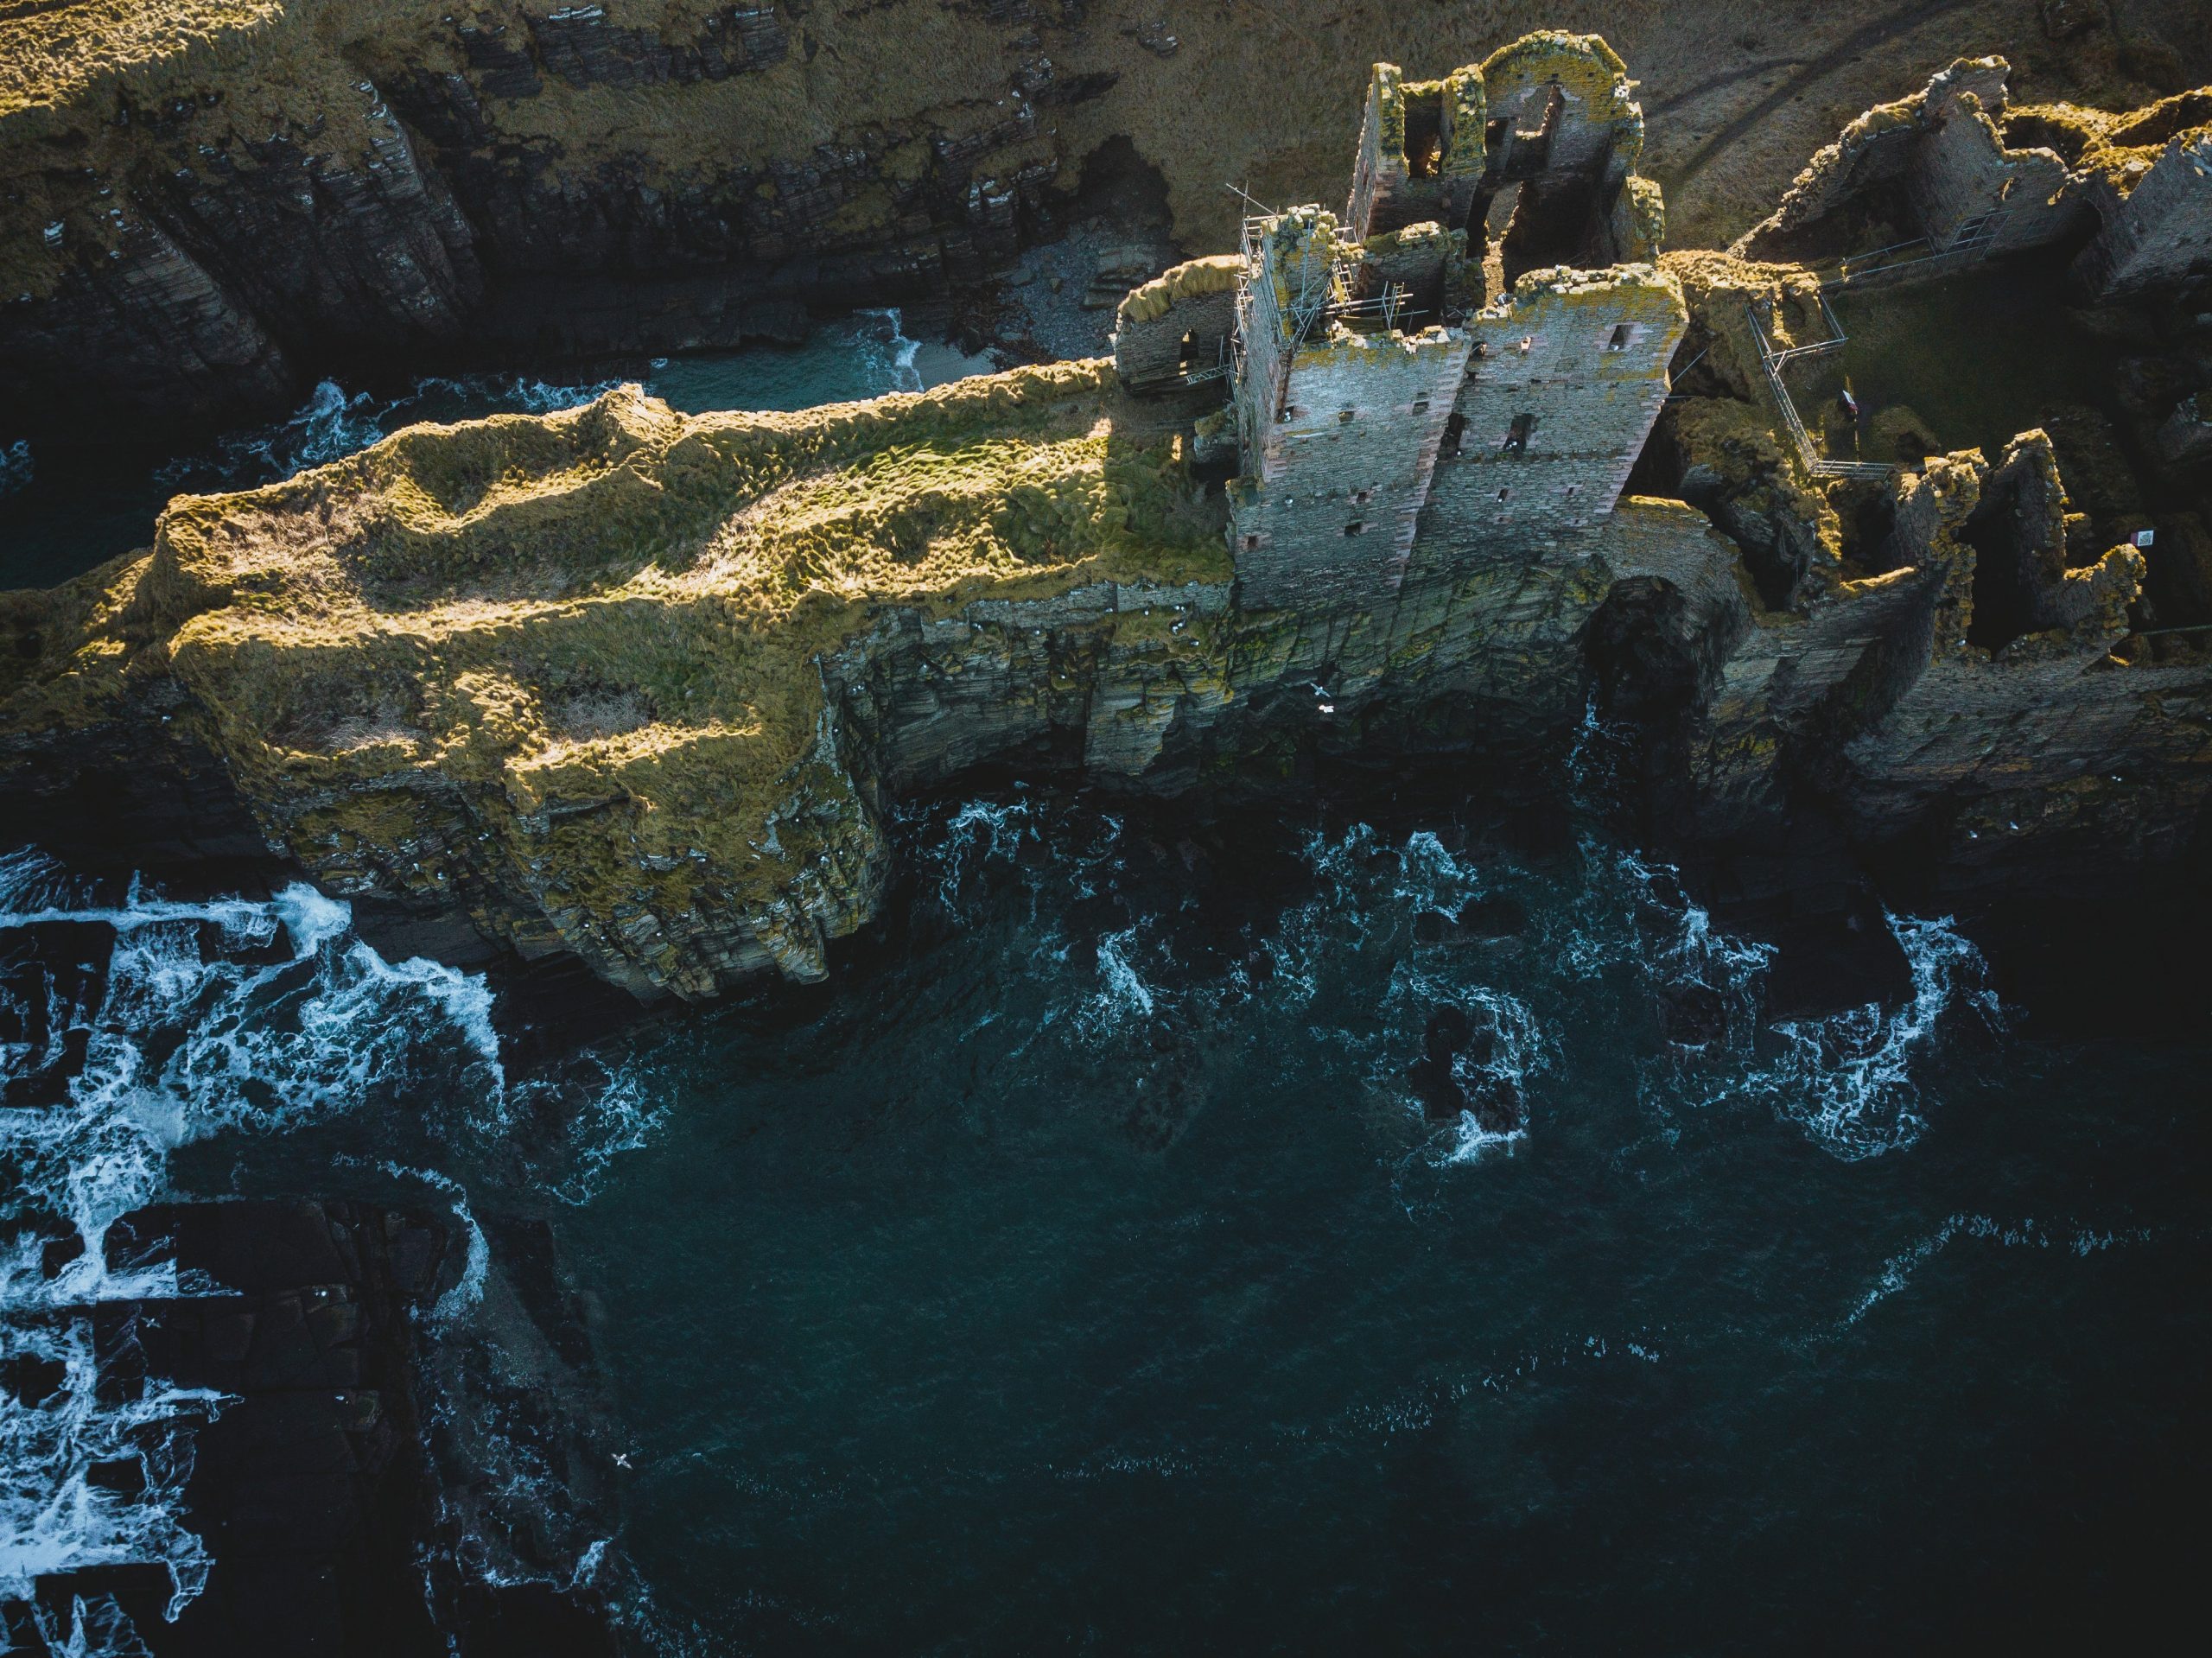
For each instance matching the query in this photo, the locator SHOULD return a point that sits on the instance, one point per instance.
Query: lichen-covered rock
(639, 686)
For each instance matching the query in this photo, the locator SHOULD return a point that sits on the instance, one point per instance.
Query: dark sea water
(1373, 1226)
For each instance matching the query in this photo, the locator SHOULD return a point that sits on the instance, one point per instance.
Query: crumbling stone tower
(1564, 135)
(1547, 125)
(1378, 403)
(1420, 152)
(1342, 401)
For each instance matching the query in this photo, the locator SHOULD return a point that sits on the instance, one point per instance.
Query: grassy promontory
(589, 640)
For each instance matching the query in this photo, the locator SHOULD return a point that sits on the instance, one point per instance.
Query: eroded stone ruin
(1436, 474)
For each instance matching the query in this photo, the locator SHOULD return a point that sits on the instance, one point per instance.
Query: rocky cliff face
(203, 203)
(640, 687)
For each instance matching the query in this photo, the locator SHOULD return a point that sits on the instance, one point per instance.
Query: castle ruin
(1475, 352)
(1472, 356)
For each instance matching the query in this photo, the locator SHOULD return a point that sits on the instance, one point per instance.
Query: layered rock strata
(639, 687)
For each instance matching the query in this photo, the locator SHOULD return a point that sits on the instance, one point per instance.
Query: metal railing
(1974, 243)
(1771, 363)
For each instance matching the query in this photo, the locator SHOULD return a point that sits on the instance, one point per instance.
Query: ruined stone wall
(1391, 188)
(2160, 231)
(1570, 374)
(1195, 301)
(1330, 503)
(1596, 126)
(1878, 148)
(1423, 262)
(1636, 223)
(1971, 196)
(1964, 183)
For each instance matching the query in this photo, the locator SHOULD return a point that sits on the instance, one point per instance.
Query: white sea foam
(980, 833)
(905, 375)
(1651, 918)
(1846, 1079)
(2025, 1233)
(1507, 1051)
(181, 1042)
(1429, 878)
(622, 1113)
(466, 1290)
(1122, 995)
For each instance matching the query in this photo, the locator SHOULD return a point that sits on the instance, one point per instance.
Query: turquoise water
(59, 518)
(1344, 1227)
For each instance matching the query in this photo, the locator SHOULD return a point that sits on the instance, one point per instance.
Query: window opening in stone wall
(1425, 133)
(1420, 405)
(1555, 102)
(1354, 527)
(1504, 491)
(1344, 417)
(1620, 340)
(1251, 543)
(1516, 439)
(1454, 429)
(1362, 496)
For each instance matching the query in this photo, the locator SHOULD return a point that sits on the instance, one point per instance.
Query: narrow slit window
(1504, 492)
(1619, 340)
(1454, 429)
(1516, 439)
(1251, 543)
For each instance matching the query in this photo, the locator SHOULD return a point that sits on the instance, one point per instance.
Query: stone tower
(1421, 153)
(1342, 401)
(1379, 401)
(1566, 377)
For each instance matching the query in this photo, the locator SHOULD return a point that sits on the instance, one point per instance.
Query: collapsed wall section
(1921, 186)
(2155, 225)
(1420, 152)
(1177, 327)
(1969, 193)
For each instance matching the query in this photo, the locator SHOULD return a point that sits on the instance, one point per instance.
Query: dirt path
(1713, 84)
(1859, 41)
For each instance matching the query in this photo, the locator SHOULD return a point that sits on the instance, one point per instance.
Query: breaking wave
(333, 423)
(1898, 1272)
(127, 1028)
(1847, 1079)
(901, 353)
